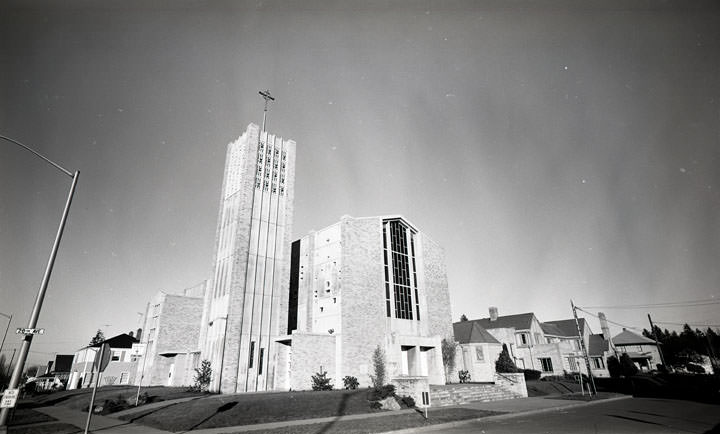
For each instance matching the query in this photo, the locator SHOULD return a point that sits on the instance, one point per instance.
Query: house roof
(563, 327)
(597, 345)
(521, 321)
(471, 332)
(120, 341)
(630, 338)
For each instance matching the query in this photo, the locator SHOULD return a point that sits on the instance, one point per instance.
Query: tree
(98, 338)
(378, 361)
(320, 381)
(203, 375)
(463, 318)
(448, 348)
(613, 366)
(504, 363)
(627, 366)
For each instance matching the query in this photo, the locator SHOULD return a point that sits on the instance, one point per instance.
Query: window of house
(115, 356)
(572, 363)
(520, 363)
(538, 338)
(598, 363)
(124, 377)
(479, 356)
(548, 340)
(639, 348)
(523, 339)
(546, 363)
(252, 354)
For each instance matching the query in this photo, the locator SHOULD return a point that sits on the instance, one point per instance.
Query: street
(637, 415)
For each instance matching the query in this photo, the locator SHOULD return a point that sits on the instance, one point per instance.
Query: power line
(670, 304)
(611, 322)
(690, 324)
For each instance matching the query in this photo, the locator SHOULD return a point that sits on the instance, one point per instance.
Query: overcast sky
(555, 151)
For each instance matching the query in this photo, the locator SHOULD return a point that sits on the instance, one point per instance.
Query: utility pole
(593, 391)
(657, 344)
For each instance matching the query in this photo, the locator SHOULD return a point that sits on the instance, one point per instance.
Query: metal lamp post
(9, 317)
(32, 323)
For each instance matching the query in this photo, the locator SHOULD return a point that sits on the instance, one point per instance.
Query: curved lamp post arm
(25, 347)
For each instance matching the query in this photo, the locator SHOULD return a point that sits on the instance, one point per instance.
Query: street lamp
(32, 323)
(6, 329)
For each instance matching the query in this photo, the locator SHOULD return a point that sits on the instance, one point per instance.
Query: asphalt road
(636, 415)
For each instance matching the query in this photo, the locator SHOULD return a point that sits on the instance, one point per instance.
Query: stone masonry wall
(363, 296)
(310, 353)
(436, 288)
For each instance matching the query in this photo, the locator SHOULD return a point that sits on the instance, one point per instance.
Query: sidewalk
(510, 408)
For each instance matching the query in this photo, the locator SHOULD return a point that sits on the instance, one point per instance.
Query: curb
(504, 416)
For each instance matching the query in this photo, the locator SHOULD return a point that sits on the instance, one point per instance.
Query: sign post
(101, 361)
(140, 350)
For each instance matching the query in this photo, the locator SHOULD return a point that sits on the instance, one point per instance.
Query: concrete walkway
(510, 408)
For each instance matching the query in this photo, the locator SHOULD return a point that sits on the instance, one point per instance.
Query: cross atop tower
(266, 95)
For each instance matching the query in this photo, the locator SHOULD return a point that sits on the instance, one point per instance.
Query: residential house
(477, 351)
(642, 351)
(120, 370)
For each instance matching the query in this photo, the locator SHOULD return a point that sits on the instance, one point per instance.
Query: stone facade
(242, 308)
(341, 291)
(172, 324)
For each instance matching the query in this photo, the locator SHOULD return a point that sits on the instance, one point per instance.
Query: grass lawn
(580, 397)
(52, 428)
(253, 408)
(79, 399)
(385, 423)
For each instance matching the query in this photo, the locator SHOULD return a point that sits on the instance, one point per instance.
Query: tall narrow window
(260, 360)
(398, 256)
(252, 354)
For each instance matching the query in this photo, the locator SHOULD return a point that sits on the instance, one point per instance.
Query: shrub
(627, 366)
(409, 401)
(531, 374)
(375, 405)
(448, 348)
(378, 393)
(464, 376)
(320, 381)
(203, 375)
(695, 368)
(378, 361)
(613, 365)
(504, 363)
(350, 382)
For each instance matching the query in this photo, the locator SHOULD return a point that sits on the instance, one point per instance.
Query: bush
(375, 405)
(531, 374)
(378, 361)
(409, 401)
(320, 381)
(203, 375)
(613, 365)
(350, 382)
(627, 366)
(695, 368)
(464, 376)
(448, 348)
(504, 363)
(378, 393)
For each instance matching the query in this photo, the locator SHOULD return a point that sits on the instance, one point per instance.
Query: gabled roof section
(521, 321)
(120, 341)
(564, 327)
(597, 345)
(467, 332)
(630, 338)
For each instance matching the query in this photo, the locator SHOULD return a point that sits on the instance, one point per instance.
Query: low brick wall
(411, 386)
(512, 382)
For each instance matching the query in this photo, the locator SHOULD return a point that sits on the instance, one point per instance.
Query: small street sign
(9, 398)
(22, 331)
(102, 358)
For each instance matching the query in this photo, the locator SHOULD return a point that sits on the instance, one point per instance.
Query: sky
(557, 150)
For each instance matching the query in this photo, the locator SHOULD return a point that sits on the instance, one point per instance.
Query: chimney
(493, 313)
(138, 335)
(604, 326)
